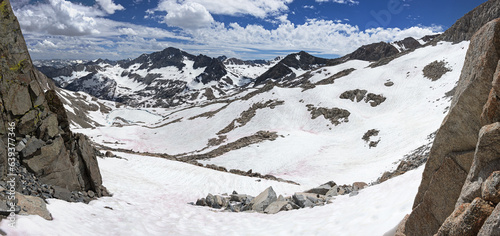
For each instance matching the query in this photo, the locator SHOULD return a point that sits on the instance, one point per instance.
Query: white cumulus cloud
(257, 8)
(109, 6)
(319, 36)
(58, 17)
(191, 15)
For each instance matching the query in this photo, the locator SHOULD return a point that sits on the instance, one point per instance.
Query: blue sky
(247, 29)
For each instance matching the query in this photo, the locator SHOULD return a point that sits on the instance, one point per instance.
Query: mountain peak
(374, 52)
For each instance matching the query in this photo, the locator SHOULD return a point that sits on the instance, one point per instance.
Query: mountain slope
(297, 64)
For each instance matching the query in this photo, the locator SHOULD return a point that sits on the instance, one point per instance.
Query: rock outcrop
(373, 52)
(49, 150)
(466, 149)
(268, 202)
(471, 22)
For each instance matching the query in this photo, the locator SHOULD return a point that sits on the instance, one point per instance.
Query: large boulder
(467, 219)
(491, 188)
(322, 189)
(276, 207)
(453, 148)
(263, 200)
(486, 161)
(25, 205)
(306, 199)
(492, 225)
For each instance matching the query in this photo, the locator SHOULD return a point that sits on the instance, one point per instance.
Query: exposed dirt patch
(370, 133)
(435, 70)
(248, 114)
(334, 115)
(240, 143)
(216, 141)
(209, 114)
(357, 94)
(169, 123)
(331, 79)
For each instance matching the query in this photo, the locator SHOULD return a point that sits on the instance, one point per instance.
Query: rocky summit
(50, 160)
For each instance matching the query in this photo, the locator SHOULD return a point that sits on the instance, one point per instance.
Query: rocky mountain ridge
(172, 77)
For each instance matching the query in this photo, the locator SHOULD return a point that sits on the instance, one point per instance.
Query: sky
(246, 29)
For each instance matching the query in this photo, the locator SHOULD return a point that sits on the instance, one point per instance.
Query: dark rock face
(359, 95)
(463, 154)
(303, 60)
(214, 70)
(168, 57)
(53, 154)
(159, 91)
(471, 22)
(277, 72)
(429, 38)
(374, 52)
(408, 43)
(236, 61)
(99, 87)
(370, 133)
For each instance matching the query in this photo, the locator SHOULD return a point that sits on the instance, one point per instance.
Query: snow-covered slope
(308, 151)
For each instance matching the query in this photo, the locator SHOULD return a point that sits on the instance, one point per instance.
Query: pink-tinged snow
(313, 151)
(151, 197)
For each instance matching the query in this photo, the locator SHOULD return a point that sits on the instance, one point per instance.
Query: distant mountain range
(173, 77)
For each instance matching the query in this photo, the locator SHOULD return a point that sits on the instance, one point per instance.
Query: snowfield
(151, 195)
